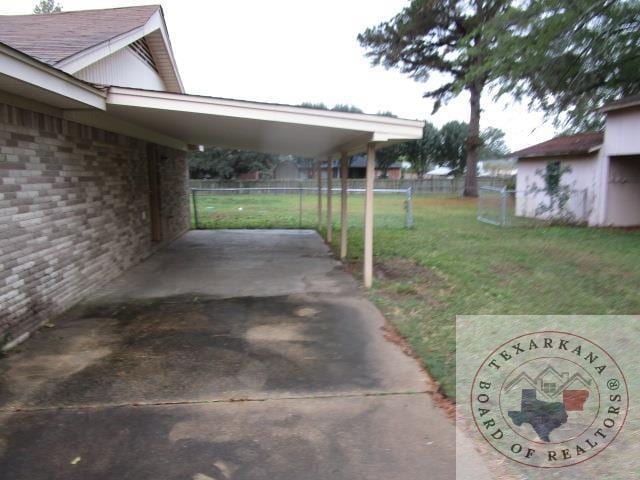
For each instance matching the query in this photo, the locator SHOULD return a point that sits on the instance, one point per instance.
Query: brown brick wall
(74, 212)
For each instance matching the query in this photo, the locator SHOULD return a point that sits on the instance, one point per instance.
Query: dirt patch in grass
(402, 269)
(405, 279)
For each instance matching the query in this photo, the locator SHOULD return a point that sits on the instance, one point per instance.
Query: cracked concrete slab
(361, 437)
(144, 379)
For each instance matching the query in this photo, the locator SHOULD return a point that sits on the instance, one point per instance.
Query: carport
(181, 121)
(186, 121)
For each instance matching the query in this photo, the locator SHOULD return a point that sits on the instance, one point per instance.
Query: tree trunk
(473, 143)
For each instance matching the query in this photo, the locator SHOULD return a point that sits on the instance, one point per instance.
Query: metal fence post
(300, 205)
(195, 208)
(409, 216)
(503, 206)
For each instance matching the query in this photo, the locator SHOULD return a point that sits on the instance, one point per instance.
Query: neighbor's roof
(580, 143)
(54, 37)
(626, 102)
(440, 171)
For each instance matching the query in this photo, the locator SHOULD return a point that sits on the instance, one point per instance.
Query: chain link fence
(294, 207)
(508, 208)
(419, 187)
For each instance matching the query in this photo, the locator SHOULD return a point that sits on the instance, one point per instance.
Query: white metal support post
(329, 198)
(344, 185)
(368, 216)
(319, 174)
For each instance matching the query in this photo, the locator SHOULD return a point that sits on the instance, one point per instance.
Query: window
(548, 387)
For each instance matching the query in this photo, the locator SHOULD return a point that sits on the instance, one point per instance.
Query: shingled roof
(578, 144)
(53, 37)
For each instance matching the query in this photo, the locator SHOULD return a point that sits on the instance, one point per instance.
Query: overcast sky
(292, 51)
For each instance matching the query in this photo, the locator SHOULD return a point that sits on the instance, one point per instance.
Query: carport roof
(266, 127)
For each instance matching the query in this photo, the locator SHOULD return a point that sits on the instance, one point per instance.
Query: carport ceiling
(255, 126)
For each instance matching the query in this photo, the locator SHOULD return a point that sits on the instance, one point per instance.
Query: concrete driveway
(227, 355)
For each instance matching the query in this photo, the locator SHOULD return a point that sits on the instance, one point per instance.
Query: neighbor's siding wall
(74, 212)
(124, 69)
(582, 177)
(622, 132)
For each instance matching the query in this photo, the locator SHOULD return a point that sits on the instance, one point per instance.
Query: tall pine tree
(445, 36)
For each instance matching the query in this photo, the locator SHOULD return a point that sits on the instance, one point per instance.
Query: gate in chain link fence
(508, 208)
(294, 207)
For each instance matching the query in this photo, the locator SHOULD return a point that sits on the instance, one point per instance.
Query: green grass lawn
(451, 264)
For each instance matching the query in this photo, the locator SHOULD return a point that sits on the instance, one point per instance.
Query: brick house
(94, 129)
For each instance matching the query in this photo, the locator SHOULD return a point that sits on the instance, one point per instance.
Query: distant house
(358, 168)
(605, 169)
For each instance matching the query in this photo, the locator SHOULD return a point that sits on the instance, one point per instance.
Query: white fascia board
(24, 68)
(384, 127)
(87, 57)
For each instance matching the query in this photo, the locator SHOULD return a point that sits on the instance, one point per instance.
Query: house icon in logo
(549, 383)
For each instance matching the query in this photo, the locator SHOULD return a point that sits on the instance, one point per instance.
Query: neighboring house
(94, 126)
(604, 171)
(358, 169)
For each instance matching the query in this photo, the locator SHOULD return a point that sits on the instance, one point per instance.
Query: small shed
(604, 174)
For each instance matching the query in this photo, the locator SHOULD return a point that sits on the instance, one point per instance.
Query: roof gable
(54, 37)
(71, 41)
